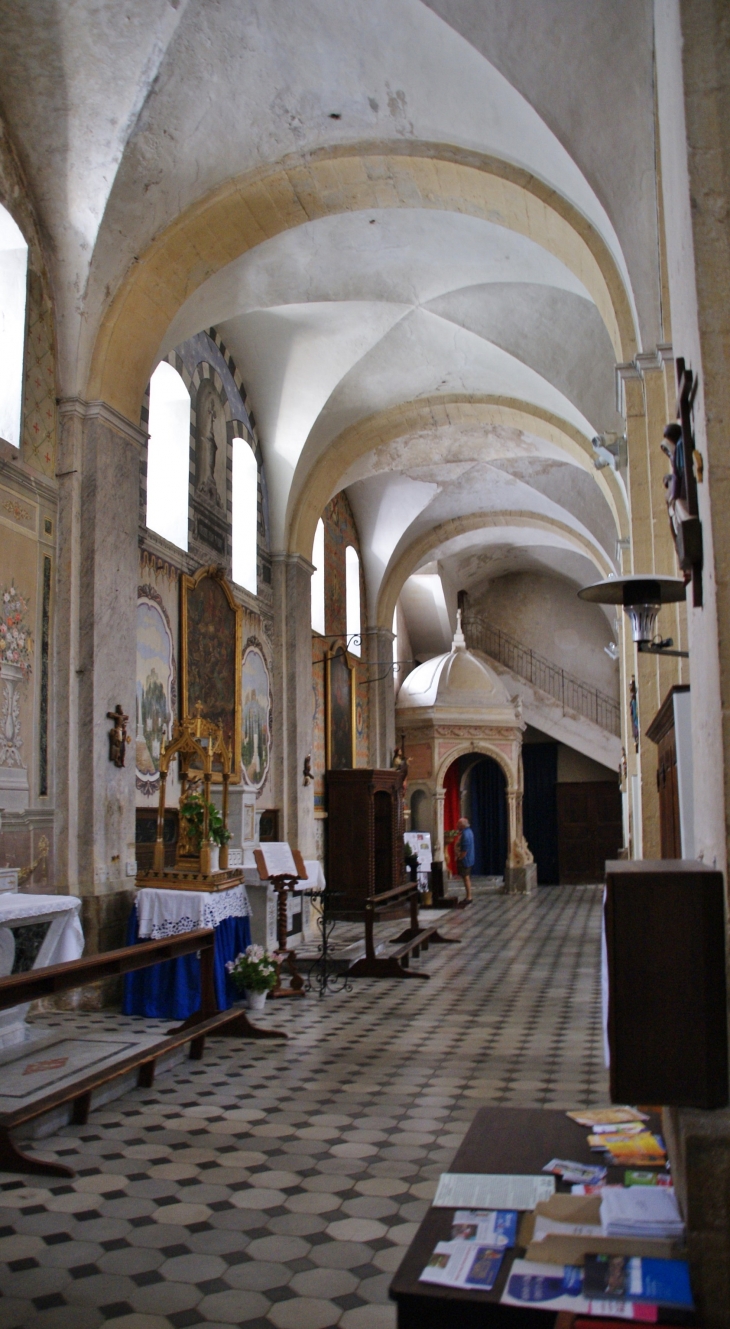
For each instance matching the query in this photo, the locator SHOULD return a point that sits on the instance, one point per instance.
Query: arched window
(245, 514)
(352, 600)
(13, 283)
(168, 455)
(318, 579)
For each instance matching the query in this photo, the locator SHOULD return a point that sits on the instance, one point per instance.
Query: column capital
(294, 561)
(628, 372)
(100, 410)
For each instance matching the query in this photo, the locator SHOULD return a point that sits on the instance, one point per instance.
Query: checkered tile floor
(279, 1184)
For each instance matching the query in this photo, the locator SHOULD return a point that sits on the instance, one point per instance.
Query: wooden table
(511, 1140)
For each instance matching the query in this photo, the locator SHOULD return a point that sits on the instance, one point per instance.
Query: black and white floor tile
(276, 1185)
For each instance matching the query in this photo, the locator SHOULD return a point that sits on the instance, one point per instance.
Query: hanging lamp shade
(642, 597)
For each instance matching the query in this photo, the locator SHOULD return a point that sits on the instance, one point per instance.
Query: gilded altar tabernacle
(201, 751)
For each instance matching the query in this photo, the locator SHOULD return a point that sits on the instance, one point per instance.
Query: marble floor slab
(278, 1185)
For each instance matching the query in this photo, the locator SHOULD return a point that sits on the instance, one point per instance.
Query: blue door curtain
(171, 990)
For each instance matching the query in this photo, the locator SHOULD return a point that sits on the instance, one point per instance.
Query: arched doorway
(475, 787)
(486, 807)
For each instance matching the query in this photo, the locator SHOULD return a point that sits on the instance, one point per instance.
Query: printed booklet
(465, 1264)
(629, 1278)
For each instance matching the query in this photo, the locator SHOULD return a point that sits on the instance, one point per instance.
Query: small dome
(459, 684)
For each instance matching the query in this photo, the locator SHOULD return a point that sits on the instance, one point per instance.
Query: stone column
(520, 872)
(643, 667)
(95, 660)
(378, 643)
(437, 851)
(292, 737)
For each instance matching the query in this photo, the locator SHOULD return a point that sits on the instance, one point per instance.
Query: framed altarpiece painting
(341, 691)
(210, 634)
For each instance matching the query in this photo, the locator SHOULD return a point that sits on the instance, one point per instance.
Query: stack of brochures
(633, 1150)
(641, 1211)
(619, 1287)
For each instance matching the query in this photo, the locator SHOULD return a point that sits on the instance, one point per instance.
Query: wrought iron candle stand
(322, 973)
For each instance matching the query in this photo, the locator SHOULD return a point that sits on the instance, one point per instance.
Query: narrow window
(245, 514)
(13, 282)
(318, 579)
(352, 600)
(168, 456)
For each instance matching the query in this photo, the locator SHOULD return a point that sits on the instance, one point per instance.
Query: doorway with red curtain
(452, 810)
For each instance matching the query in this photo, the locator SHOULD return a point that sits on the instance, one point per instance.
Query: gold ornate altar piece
(202, 755)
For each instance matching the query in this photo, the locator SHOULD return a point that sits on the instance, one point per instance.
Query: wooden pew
(205, 1023)
(410, 942)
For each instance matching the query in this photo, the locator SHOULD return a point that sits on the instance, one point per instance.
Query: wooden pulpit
(364, 838)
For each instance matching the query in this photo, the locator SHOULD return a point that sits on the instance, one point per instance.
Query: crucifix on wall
(681, 483)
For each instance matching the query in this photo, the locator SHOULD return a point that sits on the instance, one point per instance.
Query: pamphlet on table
(491, 1190)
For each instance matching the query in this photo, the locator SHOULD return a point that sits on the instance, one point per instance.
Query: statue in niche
(210, 450)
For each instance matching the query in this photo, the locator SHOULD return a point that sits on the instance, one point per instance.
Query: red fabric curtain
(452, 810)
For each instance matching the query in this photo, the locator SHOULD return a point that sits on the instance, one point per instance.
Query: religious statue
(400, 763)
(118, 736)
(207, 450)
(307, 772)
(634, 708)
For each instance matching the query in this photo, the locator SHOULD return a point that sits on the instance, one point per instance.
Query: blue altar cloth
(171, 990)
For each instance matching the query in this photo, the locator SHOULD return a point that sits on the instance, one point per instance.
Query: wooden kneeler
(206, 1023)
(408, 943)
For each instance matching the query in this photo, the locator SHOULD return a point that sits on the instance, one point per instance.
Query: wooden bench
(205, 1023)
(410, 942)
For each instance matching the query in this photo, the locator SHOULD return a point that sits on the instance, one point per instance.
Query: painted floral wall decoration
(16, 644)
(16, 662)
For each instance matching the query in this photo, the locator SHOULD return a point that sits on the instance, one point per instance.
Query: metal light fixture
(641, 598)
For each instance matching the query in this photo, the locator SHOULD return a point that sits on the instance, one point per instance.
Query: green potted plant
(254, 974)
(218, 835)
(192, 813)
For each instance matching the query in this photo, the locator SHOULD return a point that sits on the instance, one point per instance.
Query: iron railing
(571, 692)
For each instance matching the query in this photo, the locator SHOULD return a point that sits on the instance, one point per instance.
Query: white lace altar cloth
(168, 913)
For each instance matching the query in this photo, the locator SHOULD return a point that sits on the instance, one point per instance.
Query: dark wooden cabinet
(662, 732)
(667, 1006)
(590, 830)
(364, 836)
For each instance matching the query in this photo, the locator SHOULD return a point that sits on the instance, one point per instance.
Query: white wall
(545, 614)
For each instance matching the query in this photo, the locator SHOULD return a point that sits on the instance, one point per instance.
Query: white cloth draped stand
(63, 941)
(163, 913)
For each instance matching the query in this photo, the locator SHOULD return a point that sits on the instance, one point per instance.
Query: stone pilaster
(378, 644)
(693, 96)
(95, 644)
(646, 386)
(292, 738)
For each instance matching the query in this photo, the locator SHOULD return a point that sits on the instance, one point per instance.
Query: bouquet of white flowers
(253, 970)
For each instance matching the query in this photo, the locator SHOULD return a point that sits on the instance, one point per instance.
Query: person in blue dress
(465, 854)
